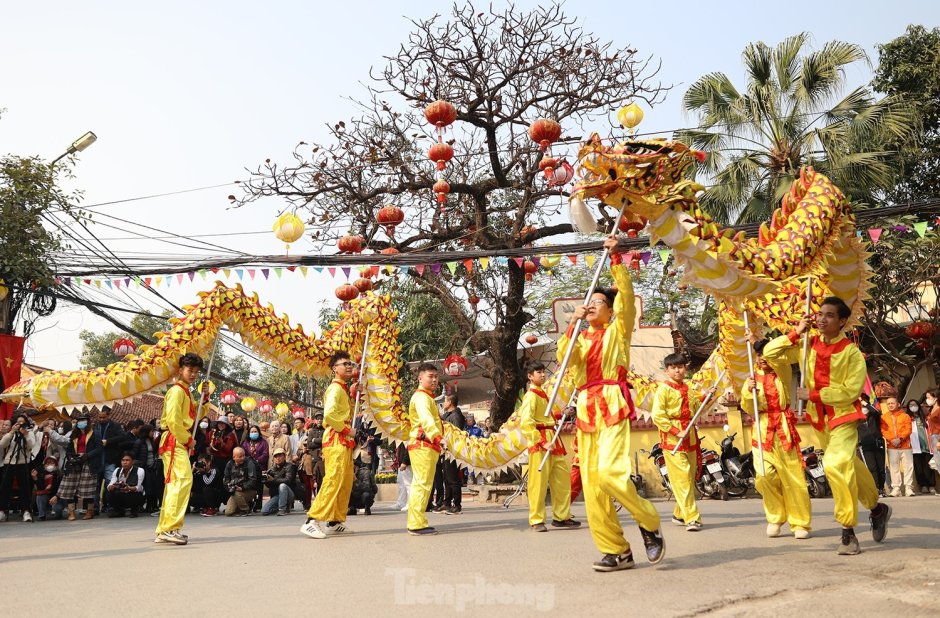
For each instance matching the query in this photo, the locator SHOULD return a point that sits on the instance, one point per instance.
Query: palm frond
(786, 60)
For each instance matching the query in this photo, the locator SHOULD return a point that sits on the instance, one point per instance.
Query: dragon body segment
(812, 234)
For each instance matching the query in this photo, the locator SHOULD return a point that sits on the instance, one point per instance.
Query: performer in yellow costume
(538, 426)
(835, 376)
(783, 486)
(327, 514)
(674, 405)
(424, 448)
(599, 364)
(176, 423)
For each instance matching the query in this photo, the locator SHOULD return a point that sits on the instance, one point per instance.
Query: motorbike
(738, 469)
(656, 454)
(816, 482)
(638, 481)
(711, 483)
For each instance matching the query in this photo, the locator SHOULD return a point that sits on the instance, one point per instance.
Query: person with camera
(364, 488)
(17, 446)
(221, 443)
(279, 479)
(115, 441)
(82, 465)
(257, 449)
(243, 480)
(126, 489)
(208, 489)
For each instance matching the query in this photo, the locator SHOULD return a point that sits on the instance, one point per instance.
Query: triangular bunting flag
(240, 273)
(645, 257)
(518, 261)
(484, 262)
(346, 271)
(420, 269)
(202, 273)
(468, 264)
(291, 268)
(436, 268)
(332, 271)
(663, 255)
(192, 275)
(107, 282)
(179, 278)
(574, 259)
(127, 282)
(303, 271)
(452, 267)
(147, 281)
(265, 272)
(503, 261)
(589, 259)
(159, 281)
(251, 273)
(278, 271)
(227, 272)
(921, 228)
(117, 283)
(537, 261)
(874, 233)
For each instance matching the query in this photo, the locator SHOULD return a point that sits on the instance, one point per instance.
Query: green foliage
(792, 112)
(98, 348)
(909, 69)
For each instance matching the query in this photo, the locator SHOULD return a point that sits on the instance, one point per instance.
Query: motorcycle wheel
(737, 491)
(815, 491)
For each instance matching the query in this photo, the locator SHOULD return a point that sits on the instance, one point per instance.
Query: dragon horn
(581, 218)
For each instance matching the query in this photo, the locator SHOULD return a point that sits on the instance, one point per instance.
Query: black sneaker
(879, 522)
(368, 510)
(440, 508)
(614, 562)
(655, 545)
(849, 544)
(454, 510)
(423, 531)
(568, 523)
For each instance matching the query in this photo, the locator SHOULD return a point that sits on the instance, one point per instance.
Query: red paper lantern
(531, 339)
(440, 113)
(530, 269)
(389, 251)
(920, 330)
(347, 292)
(632, 226)
(548, 165)
(561, 175)
(229, 397)
(298, 412)
(455, 365)
(350, 244)
(123, 347)
(441, 153)
(544, 131)
(390, 216)
(363, 285)
(474, 300)
(265, 406)
(442, 188)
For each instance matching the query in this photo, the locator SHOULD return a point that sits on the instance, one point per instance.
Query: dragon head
(638, 171)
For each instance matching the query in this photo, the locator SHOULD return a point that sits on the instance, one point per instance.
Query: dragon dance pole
(701, 408)
(215, 347)
(575, 332)
(360, 386)
(750, 364)
(805, 357)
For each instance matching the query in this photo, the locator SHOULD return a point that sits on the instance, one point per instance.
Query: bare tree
(501, 70)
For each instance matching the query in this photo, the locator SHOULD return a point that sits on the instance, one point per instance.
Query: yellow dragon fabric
(812, 234)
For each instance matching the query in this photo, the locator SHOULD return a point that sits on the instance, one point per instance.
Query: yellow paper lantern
(630, 115)
(4, 290)
(282, 409)
(550, 261)
(249, 405)
(288, 228)
(211, 387)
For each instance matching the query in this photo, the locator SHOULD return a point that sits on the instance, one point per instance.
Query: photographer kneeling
(279, 479)
(126, 489)
(243, 480)
(208, 491)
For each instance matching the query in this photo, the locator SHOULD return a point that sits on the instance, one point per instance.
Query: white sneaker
(3, 516)
(27, 516)
(404, 509)
(313, 529)
(339, 528)
(179, 533)
(801, 533)
(169, 537)
(773, 530)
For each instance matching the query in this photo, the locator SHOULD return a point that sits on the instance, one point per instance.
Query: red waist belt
(340, 438)
(775, 428)
(545, 439)
(595, 399)
(422, 440)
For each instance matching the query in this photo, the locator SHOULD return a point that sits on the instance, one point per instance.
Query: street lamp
(78, 145)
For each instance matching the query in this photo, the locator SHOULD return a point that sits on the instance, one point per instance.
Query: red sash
(595, 386)
(168, 441)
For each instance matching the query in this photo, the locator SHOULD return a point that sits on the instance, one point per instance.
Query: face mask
(82, 425)
(62, 431)
(931, 402)
(254, 436)
(50, 468)
(913, 408)
(204, 425)
(155, 434)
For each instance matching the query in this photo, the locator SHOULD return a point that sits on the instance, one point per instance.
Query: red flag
(11, 360)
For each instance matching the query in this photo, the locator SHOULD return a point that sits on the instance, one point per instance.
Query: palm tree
(791, 114)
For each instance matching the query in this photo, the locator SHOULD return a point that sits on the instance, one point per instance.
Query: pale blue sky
(185, 95)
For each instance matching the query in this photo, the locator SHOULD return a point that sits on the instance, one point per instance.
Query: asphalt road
(483, 562)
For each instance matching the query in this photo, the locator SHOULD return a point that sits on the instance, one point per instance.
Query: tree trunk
(508, 376)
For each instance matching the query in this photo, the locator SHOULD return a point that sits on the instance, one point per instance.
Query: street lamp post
(78, 145)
